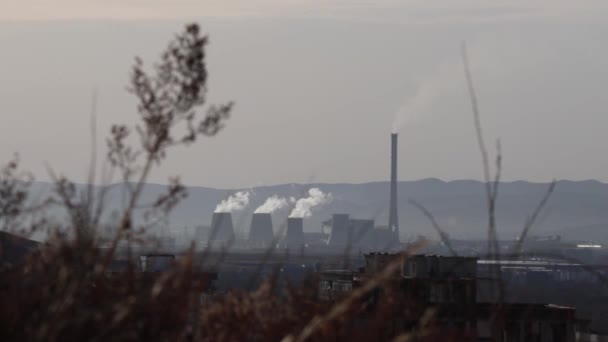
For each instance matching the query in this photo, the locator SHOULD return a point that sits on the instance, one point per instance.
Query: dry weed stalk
(65, 292)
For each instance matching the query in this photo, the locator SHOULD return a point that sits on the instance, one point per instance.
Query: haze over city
(339, 170)
(317, 86)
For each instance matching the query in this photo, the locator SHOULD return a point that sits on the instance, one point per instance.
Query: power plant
(261, 233)
(346, 233)
(222, 230)
(294, 237)
(341, 231)
(363, 234)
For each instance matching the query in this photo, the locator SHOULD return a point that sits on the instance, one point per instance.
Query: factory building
(358, 235)
(448, 286)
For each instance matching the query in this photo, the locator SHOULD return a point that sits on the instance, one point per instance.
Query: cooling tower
(222, 230)
(341, 233)
(294, 238)
(362, 234)
(260, 232)
(393, 219)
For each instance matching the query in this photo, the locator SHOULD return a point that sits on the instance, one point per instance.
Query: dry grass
(64, 291)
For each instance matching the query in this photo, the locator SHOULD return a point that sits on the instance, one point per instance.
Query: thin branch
(339, 309)
(476, 117)
(492, 204)
(530, 220)
(93, 162)
(442, 234)
(490, 186)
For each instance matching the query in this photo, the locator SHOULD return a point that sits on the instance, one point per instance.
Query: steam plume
(272, 204)
(236, 202)
(303, 207)
(415, 106)
(427, 92)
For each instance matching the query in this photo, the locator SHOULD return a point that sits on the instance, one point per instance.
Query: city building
(448, 285)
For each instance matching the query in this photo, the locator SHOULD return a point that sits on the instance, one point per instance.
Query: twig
(339, 309)
(530, 220)
(490, 186)
(442, 234)
(93, 162)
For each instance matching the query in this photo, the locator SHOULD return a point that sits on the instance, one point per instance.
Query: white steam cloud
(272, 204)
(236, 202)
(304, 206)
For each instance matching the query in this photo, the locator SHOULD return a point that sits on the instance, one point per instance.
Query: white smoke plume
(304, 206)
(415, 106)
(236, 202)
(272, 204)
(420, 104)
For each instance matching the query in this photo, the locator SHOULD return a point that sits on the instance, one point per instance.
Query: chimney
(222, 230)
(294, 238)
(261, 233)
(393, 219)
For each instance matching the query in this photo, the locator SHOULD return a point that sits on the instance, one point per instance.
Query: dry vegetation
(65, 292)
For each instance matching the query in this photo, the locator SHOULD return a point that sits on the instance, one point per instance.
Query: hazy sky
(317, 85)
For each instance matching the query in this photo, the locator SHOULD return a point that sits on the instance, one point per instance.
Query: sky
(318, 86)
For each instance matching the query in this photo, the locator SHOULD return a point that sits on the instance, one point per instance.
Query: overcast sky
(317, 85)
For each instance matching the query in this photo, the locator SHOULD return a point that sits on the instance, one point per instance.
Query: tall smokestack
(393, 219)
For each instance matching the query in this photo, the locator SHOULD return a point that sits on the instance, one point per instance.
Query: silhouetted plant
(65, 290)
(14, 189)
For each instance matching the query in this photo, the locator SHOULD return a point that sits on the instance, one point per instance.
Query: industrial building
(448, 285)
(346, 234)
(358, 235)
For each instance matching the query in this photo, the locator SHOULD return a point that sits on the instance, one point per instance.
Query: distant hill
(589, 233)
(458, 206)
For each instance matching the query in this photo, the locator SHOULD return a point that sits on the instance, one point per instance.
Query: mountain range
(576, 210)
